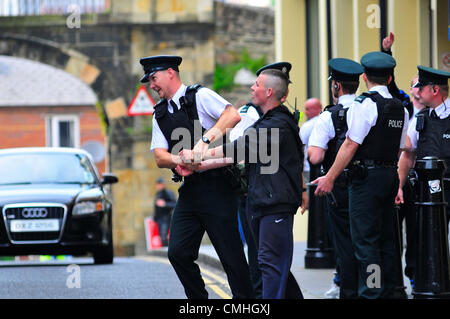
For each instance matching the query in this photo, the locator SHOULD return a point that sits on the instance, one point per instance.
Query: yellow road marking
(208, 281)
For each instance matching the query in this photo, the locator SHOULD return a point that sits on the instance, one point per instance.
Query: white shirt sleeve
(360, 119)
(247, 120)
(413, 134)
(210, 107)
(306, 129)
(158, 138)
(322, 132)
(405, 129)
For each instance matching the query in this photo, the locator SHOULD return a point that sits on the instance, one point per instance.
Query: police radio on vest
(395, 123)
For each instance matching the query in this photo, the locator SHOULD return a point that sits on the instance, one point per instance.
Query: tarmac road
(147, 277)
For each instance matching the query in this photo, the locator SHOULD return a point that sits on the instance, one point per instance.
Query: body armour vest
(434, 137)
(383, 141)
(185, 120)
(338, 117)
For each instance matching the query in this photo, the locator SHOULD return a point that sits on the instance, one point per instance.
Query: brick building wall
(26, 126)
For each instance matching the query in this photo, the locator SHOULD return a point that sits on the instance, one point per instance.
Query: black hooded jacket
(273, 153)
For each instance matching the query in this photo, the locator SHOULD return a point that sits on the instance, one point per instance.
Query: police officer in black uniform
(429, 132)
(377, 125)
(197, 116)
(324, 143)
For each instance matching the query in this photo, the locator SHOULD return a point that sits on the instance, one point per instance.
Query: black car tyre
(105, 254)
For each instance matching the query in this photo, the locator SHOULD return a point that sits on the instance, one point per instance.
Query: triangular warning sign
(142, 103)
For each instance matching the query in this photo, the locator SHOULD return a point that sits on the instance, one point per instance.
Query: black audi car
(53, 202)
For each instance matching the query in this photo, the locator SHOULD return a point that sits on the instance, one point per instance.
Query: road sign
(142, 103)
(152, 237)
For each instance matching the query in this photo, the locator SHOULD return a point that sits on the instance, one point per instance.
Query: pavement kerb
(202, 258)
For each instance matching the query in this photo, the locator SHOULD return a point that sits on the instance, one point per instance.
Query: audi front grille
(34, 223)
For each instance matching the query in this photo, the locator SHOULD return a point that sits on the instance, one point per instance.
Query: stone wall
(242, 27)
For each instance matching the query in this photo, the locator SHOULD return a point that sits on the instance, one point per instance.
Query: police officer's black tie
(433, 114)
(174, 106)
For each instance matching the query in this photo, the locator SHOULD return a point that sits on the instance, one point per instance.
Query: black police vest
(383, 141)
(184, 118)
(434, 137)
(338, 117)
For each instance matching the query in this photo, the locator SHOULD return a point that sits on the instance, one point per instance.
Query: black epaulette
(363, 96)
(326, 108)
(188, 101)
(189, 96)
(160, 108)
(420, 124)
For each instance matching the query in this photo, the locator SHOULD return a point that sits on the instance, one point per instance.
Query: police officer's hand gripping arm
(229, 118)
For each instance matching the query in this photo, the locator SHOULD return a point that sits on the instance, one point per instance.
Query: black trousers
(340, 228)
(211, 206)
(372, 218)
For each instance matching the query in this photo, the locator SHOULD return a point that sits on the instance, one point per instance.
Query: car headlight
(88, 207)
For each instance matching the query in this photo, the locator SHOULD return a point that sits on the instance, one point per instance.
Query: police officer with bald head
(326, 138)
(377, 125)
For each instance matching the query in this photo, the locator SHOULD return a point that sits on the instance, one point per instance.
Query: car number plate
(35, 225)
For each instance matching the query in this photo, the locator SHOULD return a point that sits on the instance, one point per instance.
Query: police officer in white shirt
(377, 125)
(191, 118)
(429, 132)
(324, 143)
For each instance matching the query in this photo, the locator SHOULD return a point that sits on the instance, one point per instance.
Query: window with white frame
(63, 131)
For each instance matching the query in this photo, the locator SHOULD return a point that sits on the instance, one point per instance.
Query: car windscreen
(38, 168)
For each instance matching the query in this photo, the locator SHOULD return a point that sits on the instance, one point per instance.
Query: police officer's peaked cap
(431, 76)
(378, 63)
(284, 67)
(346, 70)
(156, 63)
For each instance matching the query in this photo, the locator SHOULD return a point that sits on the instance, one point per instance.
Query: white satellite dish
(96, 149)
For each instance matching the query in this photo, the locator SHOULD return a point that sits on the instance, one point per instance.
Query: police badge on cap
(284, 67)
(153, 64)
(430, 76)
(342, 69)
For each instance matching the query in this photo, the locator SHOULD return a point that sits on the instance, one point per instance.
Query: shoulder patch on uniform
(424, 111)
(244, 109)
(360, 98)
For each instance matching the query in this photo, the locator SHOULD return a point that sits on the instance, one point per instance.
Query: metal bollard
(432, 278)
(399, 290)
(319, 252)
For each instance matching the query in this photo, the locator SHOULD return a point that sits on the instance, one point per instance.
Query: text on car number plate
(35, 225)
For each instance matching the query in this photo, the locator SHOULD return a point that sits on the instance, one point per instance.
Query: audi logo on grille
(34, 212)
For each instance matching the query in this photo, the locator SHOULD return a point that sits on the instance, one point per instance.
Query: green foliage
(224, 74)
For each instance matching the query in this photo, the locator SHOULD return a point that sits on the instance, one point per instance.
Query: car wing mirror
(109, 178)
